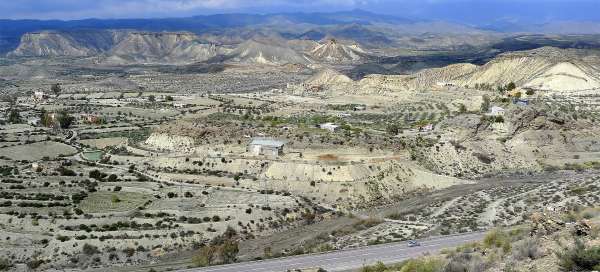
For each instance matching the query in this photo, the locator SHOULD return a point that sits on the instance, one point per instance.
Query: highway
(348, 260)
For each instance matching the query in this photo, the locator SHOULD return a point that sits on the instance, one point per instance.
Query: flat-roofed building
(266, 147)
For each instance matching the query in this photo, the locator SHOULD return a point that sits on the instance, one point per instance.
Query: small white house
(34, 121)
(266, 147)
(497, 111)
(426, 128)
(39, 95)
(329, 126)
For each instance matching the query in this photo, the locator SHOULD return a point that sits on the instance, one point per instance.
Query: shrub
(423, 265)
(528, 248)
(205, 256)
(497, 238)
(63, 238)
(229, 251)
(579, 257)
(465, 262)
(90, 250)
(4, 264)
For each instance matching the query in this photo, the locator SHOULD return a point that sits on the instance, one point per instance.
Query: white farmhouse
(266, 147)
(497, 111)
(329, 126)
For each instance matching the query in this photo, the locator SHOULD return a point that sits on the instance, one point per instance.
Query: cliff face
(547, 68)
(118, 47)
(52, 44)
(255, 52)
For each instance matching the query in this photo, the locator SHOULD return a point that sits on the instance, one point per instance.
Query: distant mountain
(56, 43)
(12, 30)
(118, 47)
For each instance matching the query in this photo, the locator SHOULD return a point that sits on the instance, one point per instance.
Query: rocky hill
(547, 68)
(118, 47)
(52, 43)
(255, 52)
(336, 52)
(425, 79)
(328, 77)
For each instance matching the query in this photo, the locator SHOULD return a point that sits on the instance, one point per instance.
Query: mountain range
(366, 28)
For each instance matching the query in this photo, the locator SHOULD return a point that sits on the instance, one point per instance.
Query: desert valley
(152, 149)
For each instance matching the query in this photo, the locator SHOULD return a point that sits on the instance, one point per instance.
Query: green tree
(205, 256)
(64, 119)
(229, 251)
(56, 89)
(511, 86)
(13, 116)
(4, 264)
(485, 106)
(152, 98)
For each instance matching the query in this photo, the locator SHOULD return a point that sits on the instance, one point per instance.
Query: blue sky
(467, 11)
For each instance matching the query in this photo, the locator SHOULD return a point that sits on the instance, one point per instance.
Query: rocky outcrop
(549, 69)
(335, 52)
(163, 47)
(160, 141)
(254, 52)
(328, 77)
(74, 44)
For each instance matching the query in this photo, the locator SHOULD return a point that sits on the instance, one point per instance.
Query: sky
(464, 11)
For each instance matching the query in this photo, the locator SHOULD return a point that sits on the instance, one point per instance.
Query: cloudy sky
(469, 11)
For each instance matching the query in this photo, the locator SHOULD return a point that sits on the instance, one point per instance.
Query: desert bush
(205, 256)
(465, 262)
(579, 257)
(499, 239)
(528, 248)
(90, 249)
(427, 264)
(4, 264)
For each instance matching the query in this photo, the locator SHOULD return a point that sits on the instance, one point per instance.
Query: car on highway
(413, 243)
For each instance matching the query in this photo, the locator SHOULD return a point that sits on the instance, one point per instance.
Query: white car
(413, 243)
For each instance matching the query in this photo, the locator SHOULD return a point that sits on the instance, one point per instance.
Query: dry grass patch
(101, 202)
(328, 157)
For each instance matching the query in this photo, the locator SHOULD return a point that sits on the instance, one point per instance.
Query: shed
(497, 111)
(329, 126)
(266, 147)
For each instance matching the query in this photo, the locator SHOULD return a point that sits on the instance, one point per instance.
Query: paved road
(348, 259)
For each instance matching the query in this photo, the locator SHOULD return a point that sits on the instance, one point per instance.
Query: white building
(329, 126)
(497, 111)
(266, 147)
(39, 95)
(426, 128)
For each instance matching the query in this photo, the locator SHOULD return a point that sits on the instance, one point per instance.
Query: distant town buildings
(266, 147)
